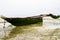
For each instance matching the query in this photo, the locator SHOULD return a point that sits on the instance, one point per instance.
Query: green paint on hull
(23, 21)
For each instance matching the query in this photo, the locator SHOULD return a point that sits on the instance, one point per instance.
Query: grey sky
(22, 8)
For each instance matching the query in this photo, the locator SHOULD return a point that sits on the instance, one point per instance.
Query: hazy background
(23, 8)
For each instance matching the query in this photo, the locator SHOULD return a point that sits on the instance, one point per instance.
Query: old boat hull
(23, 21)
(28, 20)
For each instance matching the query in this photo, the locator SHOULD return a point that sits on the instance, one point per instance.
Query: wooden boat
(28, 20)
(23, 21)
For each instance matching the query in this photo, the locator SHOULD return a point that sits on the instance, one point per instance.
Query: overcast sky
(23, 8)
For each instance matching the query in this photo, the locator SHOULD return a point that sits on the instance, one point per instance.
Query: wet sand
(38, 31)
(31, 32)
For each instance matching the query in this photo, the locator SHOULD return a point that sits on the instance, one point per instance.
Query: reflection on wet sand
(21, 29)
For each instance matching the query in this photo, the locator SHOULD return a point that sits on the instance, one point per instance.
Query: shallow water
(48, 30)
(51, 23)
